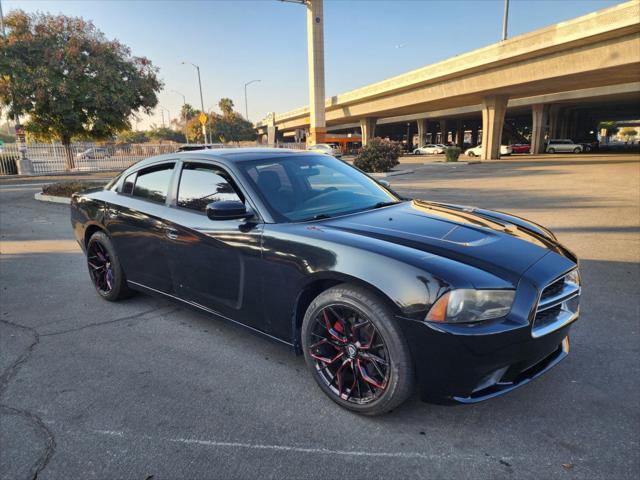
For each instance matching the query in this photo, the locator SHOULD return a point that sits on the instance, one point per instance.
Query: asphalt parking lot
(91, 389)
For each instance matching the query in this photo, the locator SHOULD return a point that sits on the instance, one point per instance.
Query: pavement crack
(12, 369)
(137, 316)
(50, 439)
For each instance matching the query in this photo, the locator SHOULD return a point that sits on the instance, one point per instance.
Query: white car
(477, 151)
(326, 148)
(430, 149)
(563, 145)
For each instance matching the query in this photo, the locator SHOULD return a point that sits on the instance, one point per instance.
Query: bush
(378, 156)
(9, 163)
(452, 153)
(66, 189)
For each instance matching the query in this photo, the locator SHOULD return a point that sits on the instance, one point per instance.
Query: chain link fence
(91, 157)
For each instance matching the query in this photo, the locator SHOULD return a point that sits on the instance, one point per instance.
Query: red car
(521, 148)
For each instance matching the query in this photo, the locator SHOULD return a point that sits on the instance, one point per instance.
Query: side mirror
(227, 210)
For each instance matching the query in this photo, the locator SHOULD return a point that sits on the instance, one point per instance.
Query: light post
(204, 130)
(505, 18)
(246, 107)
(184, 114)
(163, 109)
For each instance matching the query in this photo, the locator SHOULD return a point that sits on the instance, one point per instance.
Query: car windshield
(302, 187)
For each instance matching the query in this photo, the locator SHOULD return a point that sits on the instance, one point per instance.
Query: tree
(163, 133)
(131, 136)
(70, 80)
(628, 133)
(378, 156)
(226, 106)
(187, 112)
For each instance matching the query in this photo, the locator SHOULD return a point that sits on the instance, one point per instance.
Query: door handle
(171, 233)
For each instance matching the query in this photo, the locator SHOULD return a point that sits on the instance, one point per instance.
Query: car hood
(498, 243)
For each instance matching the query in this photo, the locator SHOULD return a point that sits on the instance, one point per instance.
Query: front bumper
(453, 368)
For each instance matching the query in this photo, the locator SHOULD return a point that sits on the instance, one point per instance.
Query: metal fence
(90, 157)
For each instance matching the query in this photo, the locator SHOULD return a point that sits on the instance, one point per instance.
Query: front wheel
(577, 150)
(105, 270)
(356, 352)
(471, 154)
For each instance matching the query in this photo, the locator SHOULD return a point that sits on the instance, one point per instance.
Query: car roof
(226, 154)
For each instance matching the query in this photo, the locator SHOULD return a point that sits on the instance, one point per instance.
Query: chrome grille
(559, 305)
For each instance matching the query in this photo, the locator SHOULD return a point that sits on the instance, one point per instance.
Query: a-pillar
(367, 129)
(315, 55)
(493, 110)
(443, 132)
(423, 126)
(539, 113)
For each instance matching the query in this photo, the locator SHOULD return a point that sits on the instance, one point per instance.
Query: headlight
(467, 305)
(573, 277)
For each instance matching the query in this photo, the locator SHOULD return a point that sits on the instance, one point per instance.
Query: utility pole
(184, 114)
(246, 107)
(204, 130)
(505, 18)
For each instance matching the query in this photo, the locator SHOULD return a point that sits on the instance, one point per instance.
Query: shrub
(452, 154)
(378, 156)
(9, 163)
(66, 189)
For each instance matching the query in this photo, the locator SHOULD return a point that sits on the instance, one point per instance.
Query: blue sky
(241, 40)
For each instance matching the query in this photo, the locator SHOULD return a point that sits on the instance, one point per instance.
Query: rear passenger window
(201, 185)
(153, 183)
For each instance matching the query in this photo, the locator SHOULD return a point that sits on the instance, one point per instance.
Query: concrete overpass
(593, 56)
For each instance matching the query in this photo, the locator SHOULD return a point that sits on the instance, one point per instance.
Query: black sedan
(381, 294)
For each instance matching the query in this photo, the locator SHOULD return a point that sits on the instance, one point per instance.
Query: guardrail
(90, 157)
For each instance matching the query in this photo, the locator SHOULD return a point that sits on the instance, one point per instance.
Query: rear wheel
(551, 150)
(577, 150)
(105, 270)
(471, 154)
(356, 352)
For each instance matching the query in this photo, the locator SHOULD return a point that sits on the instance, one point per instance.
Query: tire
(471, 154)
(351, 325)
(577, 150)
(416, 152)
(105, 270)
(551, 150)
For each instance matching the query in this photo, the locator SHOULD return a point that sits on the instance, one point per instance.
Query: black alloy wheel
(356, 352)
(104, 268)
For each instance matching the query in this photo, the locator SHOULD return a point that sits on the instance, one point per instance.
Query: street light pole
(204, 130)
(184, 116)
(505, 19)
(246, 106)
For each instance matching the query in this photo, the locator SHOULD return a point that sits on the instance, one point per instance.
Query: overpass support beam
(423, 126)
(315, 51)
(443, 132)
(539, 113)
(367, 129)
(272, 135)
(493, 110)
(459, 133)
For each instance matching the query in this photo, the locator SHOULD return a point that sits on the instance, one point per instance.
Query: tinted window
(153, 183)
(201, 185)
(127, 186)
(304, 187)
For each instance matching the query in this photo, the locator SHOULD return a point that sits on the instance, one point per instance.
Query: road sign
(202, 118)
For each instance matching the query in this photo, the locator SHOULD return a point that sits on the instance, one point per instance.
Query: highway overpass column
(493, 110)
(554, 113)
(367, 129)
(539, 113)
(423, 126)
(459, 133)
(443, 132)
(315, 51)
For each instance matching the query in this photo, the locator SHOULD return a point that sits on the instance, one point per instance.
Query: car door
(214, 262)
(135, 221)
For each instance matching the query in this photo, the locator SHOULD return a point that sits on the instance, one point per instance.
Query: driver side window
(202, 184)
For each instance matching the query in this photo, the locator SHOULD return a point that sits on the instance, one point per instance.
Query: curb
(390, 174)
(470, 162)
(51, 198)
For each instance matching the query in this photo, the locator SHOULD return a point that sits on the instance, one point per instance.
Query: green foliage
(7, 138)
(70, 80)
(166, 134)
(378, 156)
(132, 136)
(66, 189)
(228, 127)
(187, 112)
(452, 154)
(226, 106)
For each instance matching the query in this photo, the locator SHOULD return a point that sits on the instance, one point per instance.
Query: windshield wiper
(384, 204)
(320, 216)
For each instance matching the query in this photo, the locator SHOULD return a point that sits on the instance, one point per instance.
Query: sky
(236, 41)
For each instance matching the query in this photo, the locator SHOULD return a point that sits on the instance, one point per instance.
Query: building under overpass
(565, 78)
